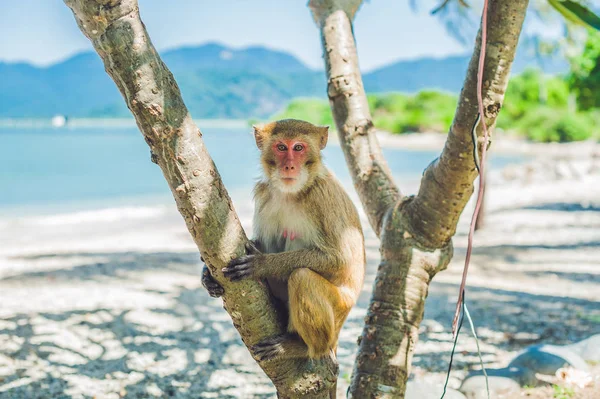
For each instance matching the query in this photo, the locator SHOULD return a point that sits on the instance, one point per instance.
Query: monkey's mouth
(288, 180)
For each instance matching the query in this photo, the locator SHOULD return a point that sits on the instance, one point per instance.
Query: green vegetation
(537, 107)
(394, 112)
(425, 111)
(585, 73)
(562, 392)
(594, 318)
(309, 109)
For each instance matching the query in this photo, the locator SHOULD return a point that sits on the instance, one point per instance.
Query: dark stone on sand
(546, 359)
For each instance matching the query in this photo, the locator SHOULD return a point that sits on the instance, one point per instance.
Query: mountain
(425, 73)
(445, 74)
(213, 56)
(216, 82)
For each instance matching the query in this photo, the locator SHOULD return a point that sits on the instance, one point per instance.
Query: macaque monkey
(308, 244)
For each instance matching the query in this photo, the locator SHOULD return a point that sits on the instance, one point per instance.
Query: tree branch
(152, 95)
(415, 232)
(447, 184)
(370, 172)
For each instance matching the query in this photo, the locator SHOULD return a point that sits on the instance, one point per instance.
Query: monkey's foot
(214, 289)
(280, 346)
(268, 349)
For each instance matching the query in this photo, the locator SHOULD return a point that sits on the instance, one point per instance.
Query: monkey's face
(291, 152)
(287, 167)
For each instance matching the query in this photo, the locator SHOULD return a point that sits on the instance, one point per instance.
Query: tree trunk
(369, 170)
(415, 231)
(152, 95)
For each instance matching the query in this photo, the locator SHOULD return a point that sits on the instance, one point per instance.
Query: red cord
(481, 166)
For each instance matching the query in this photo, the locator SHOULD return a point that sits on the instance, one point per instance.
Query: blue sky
(44, 31)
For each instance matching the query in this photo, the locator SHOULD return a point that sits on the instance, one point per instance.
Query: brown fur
(320, 273)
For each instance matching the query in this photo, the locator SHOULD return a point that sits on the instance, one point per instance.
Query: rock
(427, 390)
(474, 386)
(546, 359)
(521, 371)
(521, 376)
(588, 349)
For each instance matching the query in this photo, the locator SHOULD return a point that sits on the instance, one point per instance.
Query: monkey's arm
(281, 265)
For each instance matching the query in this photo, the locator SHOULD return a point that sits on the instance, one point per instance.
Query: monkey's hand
(244, 266)
(208, 281)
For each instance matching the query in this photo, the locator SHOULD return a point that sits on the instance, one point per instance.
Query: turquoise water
(43, 168)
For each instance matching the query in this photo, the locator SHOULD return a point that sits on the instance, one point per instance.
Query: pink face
(291, 156)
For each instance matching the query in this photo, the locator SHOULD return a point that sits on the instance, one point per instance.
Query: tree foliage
(537, 107)
(423, 112)
(585, 73)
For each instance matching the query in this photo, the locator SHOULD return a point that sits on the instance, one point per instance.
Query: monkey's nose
(289, 168)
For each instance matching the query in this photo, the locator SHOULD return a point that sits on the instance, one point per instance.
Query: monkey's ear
(324, 130)
(259, 135)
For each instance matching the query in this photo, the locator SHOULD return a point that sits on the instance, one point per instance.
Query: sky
(44, 31)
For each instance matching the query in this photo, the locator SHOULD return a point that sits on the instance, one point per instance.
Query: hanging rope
(480, 167)
(461, 307)
(465, 313)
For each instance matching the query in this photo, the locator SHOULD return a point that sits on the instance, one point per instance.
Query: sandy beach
(107, 303)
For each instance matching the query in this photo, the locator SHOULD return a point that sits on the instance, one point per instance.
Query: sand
(108, 303)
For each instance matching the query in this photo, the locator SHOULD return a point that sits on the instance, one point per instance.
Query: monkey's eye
(281, 147)
(298, 147)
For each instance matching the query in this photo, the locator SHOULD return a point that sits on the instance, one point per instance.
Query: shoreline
(502, 143)
(539, 156)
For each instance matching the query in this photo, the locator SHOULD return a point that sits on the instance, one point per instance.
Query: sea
(47, 170)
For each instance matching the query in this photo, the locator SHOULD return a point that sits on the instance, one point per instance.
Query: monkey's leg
(317, 311)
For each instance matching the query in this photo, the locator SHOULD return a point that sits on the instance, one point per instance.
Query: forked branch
(415, 232)
(152, 95)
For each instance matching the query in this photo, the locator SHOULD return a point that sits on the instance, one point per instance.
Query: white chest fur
(281, 225)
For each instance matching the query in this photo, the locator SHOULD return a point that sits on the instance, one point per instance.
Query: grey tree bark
(151, 93)
(415, 232)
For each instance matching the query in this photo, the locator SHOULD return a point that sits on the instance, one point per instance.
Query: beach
(107, 302)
